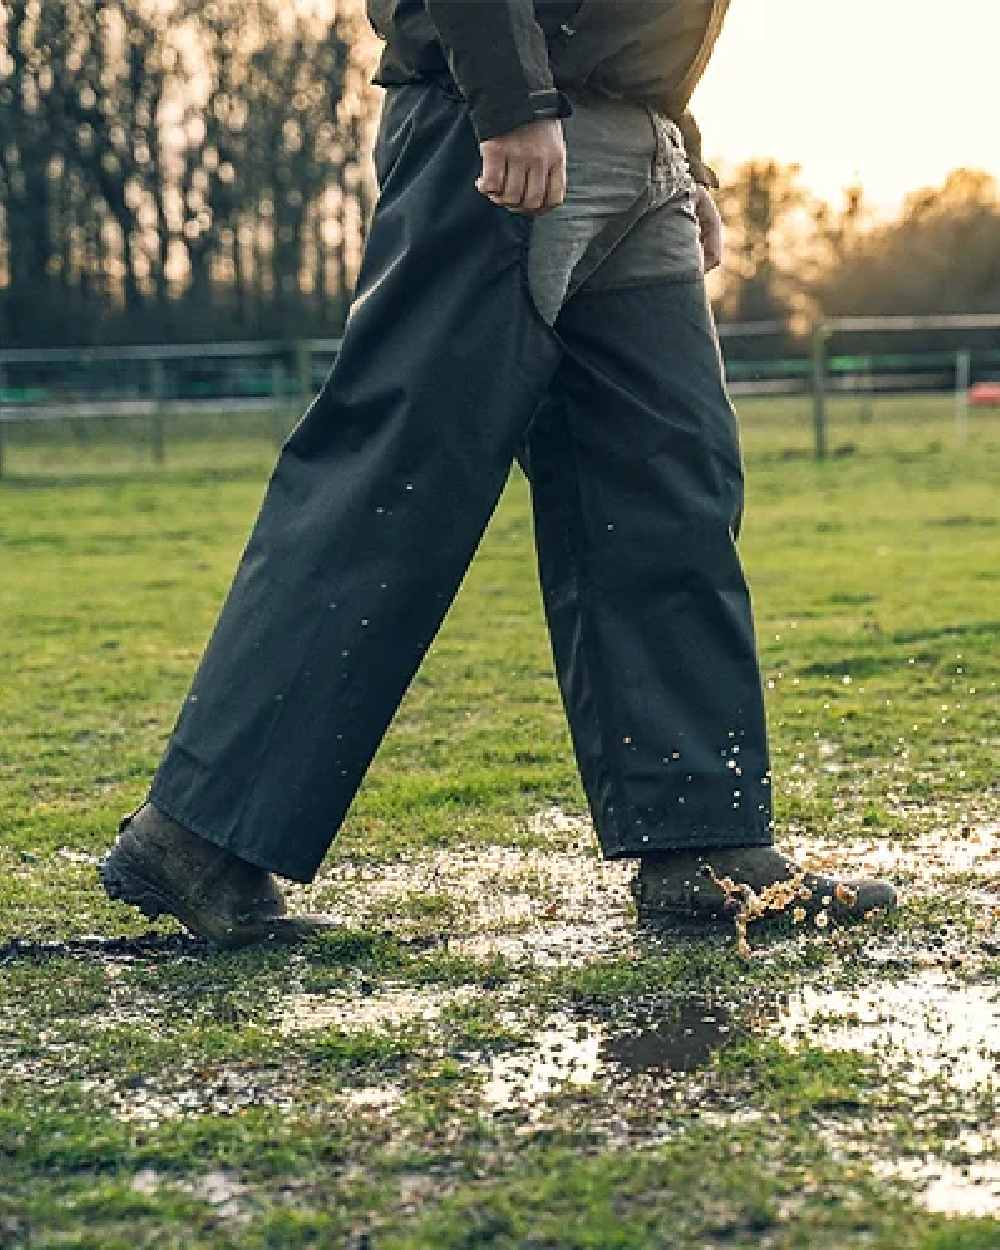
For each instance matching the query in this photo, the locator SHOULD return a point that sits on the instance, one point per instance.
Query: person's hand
(712, 229)
(525, 169)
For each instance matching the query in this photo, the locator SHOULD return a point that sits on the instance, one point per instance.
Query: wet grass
(153, 1092)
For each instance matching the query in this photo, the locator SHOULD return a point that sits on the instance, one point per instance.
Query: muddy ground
(486, 1050)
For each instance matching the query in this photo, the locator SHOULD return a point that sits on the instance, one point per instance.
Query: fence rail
(163, 381)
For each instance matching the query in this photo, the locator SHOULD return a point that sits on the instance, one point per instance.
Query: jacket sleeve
(498, 57)
(692, 145)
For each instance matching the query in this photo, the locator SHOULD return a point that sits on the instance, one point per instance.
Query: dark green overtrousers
(381, 495)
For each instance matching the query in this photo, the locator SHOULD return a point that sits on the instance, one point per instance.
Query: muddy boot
(160, 867)
(695, 885)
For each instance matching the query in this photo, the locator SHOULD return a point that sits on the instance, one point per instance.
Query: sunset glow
(889, 93)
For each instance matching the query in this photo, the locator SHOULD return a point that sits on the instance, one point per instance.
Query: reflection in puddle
(674, 1037)
(221, 1190)
(682, 1041)
(566, 1052)
(941, 1038)
(971, 1189)
(923, 860)
(304, 1013)
(548, 947)
(927, 1024)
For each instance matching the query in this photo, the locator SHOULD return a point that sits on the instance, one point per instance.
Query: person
(532, 288)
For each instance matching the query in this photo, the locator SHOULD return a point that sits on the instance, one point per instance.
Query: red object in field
(985, 395)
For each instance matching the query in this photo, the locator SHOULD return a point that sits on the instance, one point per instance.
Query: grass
(151, 1096)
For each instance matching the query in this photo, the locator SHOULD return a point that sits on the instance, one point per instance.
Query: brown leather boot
(159, 866)
(692, 885)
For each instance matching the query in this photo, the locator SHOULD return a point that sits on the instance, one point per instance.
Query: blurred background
(184, 190)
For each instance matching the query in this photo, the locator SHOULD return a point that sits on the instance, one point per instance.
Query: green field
(486, 1055)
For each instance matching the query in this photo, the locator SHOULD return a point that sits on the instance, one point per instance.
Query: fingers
(712, 230)
(514, 184)
(532, 187)
(491, 181)
(711, 242)
(545, 189)
(556, 187)
(535, 186)
(525, 170)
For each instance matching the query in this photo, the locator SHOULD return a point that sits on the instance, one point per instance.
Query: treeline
(199, 169)
(179, 168)
(794, 257)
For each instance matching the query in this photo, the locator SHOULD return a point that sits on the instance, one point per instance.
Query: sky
(889, 93)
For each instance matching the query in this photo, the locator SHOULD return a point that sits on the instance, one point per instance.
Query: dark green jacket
(510, 58)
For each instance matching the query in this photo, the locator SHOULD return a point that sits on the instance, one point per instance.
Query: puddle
(938, 1039)
(220, 1190)
(381, 1098)
(304, 1013)
(936, 1036)
(551, 946)
(557, 905)
(567, 905)
(564, 1053)
(970, 1189)
(925, 860)
(941, 1041)
(928, 1027)
(672, 1037)
(225, 1092)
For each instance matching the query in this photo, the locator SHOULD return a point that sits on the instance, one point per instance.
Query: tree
(941, 255)
(178, 163)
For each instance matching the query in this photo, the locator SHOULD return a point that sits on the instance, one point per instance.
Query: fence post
(277, 394)
(963, 380)
(157, 422)
(821, 335)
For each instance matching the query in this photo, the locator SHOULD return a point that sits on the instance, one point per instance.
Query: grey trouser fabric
(629, 211)
(449, 370)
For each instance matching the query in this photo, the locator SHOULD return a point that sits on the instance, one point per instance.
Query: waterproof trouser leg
(374, 510)
(637, 487)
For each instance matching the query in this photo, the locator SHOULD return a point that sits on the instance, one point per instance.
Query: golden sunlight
(891, 94)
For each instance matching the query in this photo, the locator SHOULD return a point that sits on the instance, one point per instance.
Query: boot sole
(125, 885)
(124, 881)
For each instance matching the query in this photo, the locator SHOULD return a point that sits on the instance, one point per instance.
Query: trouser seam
(656, 280)
(660, 280)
